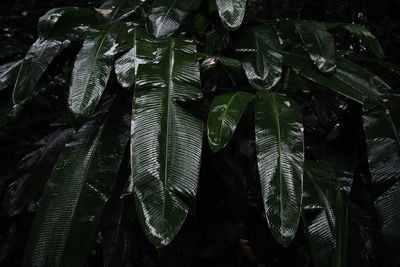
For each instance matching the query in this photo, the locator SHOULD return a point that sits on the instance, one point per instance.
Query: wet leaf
(231, 12)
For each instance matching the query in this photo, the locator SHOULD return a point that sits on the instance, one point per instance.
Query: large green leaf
(231, 12)
(382, 132)
(77, 191)
(92, 69)
(167, 15)
(367, 39)
(119, 9)
(223, 117)
(349, 80)
(318, 211)
(8, 73)
(280, 156)
(264, 67)
(387, 209)
(35, 63)
(166, 139)
(319, 44)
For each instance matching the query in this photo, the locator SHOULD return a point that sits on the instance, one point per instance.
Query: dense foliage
(220, 136)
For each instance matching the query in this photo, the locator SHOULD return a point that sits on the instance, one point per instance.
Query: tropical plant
(300, 125)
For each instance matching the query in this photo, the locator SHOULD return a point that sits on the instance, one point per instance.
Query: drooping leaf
(367, 39)
(350, 79)
(231, 12)
(166, 139)
(264, 67)
(223, 117)
(318, 43)
(72, 19)
(34, 170)
(280, 156)
(92, 69)
(319, 211)
(387, 209)
(120, 9)
(382, 128)
(342, 228)
(8, 73)
(167, 15)
(77, 191)
(35, 63)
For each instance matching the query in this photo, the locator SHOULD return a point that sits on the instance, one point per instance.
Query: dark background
(18, 20)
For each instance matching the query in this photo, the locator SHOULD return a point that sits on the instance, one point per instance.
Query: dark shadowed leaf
(349, 80)
(319, 44)
(77, 191)
(35, 63)
(318, 211)
(223, 117)
(280, 156)
(342, 228)
(167, 15)
(367, 39)
(166, 139)
(92, 69)
(231, 12)
(34, 170)
(264, 67)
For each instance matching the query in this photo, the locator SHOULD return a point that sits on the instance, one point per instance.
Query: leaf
(167, 15)
(120, 9)
(319, 211)
(318, 43)
(223, 117)
(280, 156)
(342, 228)
(166, 139)
(34, 170)
(231, 13)
(77, 191)
(8, 73)
(263, 68)
(91, 71)
(382, 128)
(71, 17)
(387, 209)
(35, 63)
(367, 39)
(349, 80)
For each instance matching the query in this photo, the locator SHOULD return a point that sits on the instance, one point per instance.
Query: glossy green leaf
(231, 12)
(167, 15)
(382, 133)
(318, 43)
(224, 116)
(77, 15)
(166, 138)
(264, 67)
(319, 211)
(367, 39)
(120, 9)
(91, 71)
(349, 80)
(387, 209)
(280, 157)
(35, 63)
(8, 73)
(79, 187)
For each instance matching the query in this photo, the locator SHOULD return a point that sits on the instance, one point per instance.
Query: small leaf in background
(77, 191)
(231, 12)
(35, 63)
(119, 9)
(263, 68)
(280, 158)
(167, 15)
(319, 44)
(223, 117)
(367, 39)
